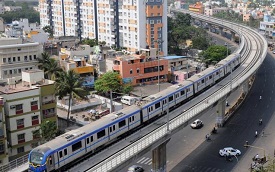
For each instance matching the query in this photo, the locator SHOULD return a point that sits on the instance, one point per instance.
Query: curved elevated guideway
(253, 49)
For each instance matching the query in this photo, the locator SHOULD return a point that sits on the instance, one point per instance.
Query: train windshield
(36, 158)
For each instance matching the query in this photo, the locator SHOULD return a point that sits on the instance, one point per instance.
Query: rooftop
(174, 57)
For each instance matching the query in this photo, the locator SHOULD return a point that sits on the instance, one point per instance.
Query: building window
(18, 109)
(9, 60)
(14, 59)
(15, 71)
(20, 123)
(18, 58)
(137, 70)
(35, 120)
(34, 57)
(30, 57)
(25, 58)
(21, 138)
(5, 72)
(4, 60)
(34, 105)
(19, 70)
(36, 134)
(131, 71)
(20, 149)
(47, 113)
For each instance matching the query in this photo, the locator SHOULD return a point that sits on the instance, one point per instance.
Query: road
(240, 128)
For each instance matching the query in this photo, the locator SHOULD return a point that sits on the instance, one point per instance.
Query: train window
(170, 98)
(133, 118)
(88, 140)
(65, 152)
(188, 89)
(210, 77)
(76, 146)
(202, 81)
(217, 73)
(206, 79)
(92, 138)
(198, 84)
(130, 119)
(60, 154)
(121, 123)
(114, 127)
(101, 134)
(182, 92)
(157, 105)
(110, 129)
(149, 109)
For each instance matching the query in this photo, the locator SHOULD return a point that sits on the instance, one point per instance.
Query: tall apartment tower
(134, 24)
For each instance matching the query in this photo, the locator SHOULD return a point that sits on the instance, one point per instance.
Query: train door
(61, 158)
(50, 163)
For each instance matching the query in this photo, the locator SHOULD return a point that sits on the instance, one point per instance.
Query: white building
(131, 24)
(16, 56)
(2, 29)
(26, 105)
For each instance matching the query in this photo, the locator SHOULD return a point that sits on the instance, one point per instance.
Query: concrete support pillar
(159, 158)
(220, 110)
(233, 36)
(210, 27)
(221, 30)
(245, 87)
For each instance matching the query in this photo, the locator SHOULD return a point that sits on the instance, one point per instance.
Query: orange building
(142, 67)
(197, 8)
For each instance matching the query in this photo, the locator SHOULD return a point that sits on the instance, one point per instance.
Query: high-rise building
(133, 24)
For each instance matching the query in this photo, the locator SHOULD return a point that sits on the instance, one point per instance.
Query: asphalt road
(240, 128)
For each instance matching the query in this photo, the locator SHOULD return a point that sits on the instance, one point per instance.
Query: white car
(135, 168)
(196, 124)
(229, 150)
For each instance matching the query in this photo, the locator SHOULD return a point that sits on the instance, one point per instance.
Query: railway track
(251, 53)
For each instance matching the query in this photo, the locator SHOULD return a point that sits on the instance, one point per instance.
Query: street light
(159, 43)
(247, 145)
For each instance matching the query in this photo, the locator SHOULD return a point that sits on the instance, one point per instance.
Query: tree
(70, 84)
(215, 53)
(49, 66)
(110, 81)
(45, 58)
(48, 130)
(127, 88)
(52, 69)
(90, 42)
(48, 29)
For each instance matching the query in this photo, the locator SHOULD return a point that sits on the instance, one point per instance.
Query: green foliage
(48, 30)
(180, 29)
(47, 131)
(127, 88)
(26, 12)
(214, 54)
(70, 84)
(90, 42)
(107, 82)
(49, 66)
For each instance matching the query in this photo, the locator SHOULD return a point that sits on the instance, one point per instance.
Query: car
(229, 150)
(135, 168)
(196, 124)
(273, 52)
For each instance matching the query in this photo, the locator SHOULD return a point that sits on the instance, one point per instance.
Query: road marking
(148, 161)
(141, 159)
(144, 160)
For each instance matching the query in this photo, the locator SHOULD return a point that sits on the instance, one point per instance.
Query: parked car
(229, 150)
(196, 124)
(273, 52)
(135, 168)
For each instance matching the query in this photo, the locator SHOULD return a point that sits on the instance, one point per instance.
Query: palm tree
(52, 69)
(45, 58)
(70, 84)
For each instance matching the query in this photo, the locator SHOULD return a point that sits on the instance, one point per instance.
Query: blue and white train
(64, 149)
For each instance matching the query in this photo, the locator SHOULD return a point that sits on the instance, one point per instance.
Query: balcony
(49, 115)
(48, 102)
(21, 141)
(35, 122)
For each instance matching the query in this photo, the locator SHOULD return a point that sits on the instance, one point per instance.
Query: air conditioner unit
(12, 106)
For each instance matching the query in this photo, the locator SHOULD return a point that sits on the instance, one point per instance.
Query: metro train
(59, 152)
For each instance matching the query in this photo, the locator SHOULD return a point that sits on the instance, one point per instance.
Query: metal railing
(131, 150)
(14, 164)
